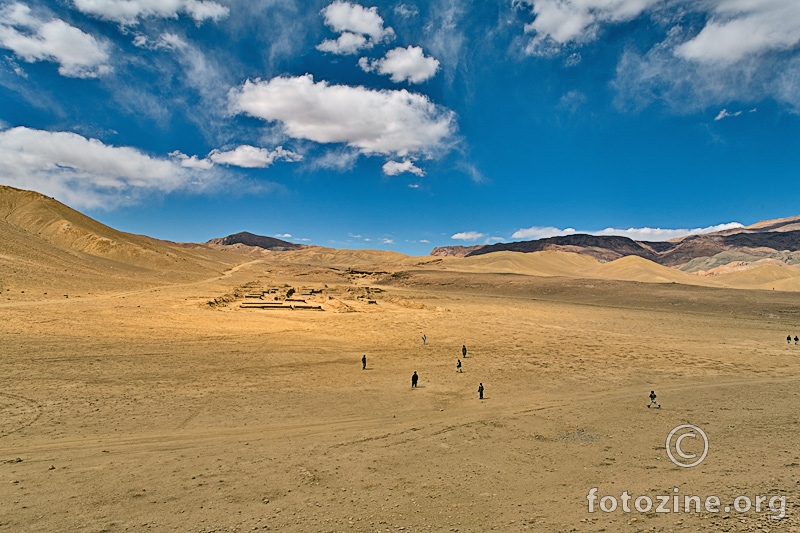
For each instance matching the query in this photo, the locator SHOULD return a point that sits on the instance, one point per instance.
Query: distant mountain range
(771, 241)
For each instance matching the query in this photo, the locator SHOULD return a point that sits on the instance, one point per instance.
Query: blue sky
(404, 125)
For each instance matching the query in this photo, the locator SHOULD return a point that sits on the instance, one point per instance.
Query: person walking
(480, 391)
(788, 339)
(458, 366)
(424, 338)
(796, 339)
(364, 362)
(414, 379)
(464, 351)
(653, 400)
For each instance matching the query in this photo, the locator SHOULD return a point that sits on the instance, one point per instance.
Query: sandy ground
(147, 409)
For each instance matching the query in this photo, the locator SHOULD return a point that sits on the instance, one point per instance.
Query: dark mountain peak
(260, 241)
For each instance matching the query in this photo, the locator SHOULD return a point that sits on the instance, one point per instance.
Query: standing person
(364, 362)
(788, 339)
(414, 379)
(480, 391)
(424, 338)
(458, 366)
(464, 351)
(653, 400)
(796, 339)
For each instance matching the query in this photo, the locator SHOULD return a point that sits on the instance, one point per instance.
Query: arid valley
(147, 385)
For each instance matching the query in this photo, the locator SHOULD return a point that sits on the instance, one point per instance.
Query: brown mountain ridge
(775, 241)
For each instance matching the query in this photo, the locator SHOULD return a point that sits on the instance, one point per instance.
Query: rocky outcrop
(455, 251)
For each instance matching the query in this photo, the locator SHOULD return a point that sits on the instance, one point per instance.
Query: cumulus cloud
(560, 22)
(88, 173)
(391, 122)
(247, 156)
(284, 235)
(740, 28)
(78, 54)
(403, 64)
(347, 44)
(129, 12)
(637, 234)
(393, 168)
(359, 27)
(468, 236)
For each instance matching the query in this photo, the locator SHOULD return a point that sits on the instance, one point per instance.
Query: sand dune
(46, 246)
(763, 277)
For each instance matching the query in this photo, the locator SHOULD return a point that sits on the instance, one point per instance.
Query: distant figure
(364, 362)
(424, 339)
(414, 379)
(464, 351)
(480, 391)
(458, 366)
(796, 339)
(653, 400)
(788, 339)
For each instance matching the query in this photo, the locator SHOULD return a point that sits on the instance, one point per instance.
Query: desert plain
(150, 399)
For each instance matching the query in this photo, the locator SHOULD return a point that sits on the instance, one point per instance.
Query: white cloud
(191, 162)
(347, 44)
(746, 50)
(403, 64)
(339, 160)
(687, 86)
(346, 16)
(355, 23)
(387, 241)
(725, 114)
(383, 122)
(247, 156)
(572, 101)
(284, 235)
(78, 54)
(406, 10)
(130, 11)
(393, 168)
(425, 241)
(541, 232)
(88, 173)
(559, 22)
(637, 234)
(739, 28)
(413, 185)
(445, 34)
(468, 236)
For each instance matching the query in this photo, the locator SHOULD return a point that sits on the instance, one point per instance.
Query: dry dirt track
(148, 409)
